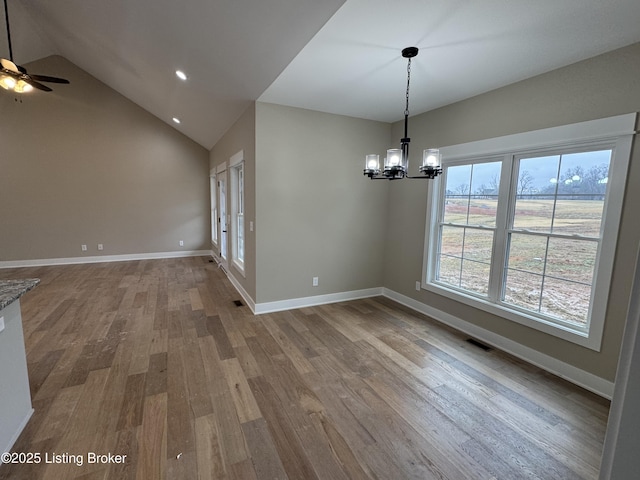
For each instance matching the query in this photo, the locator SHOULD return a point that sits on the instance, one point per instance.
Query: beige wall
(84, 165)
(316, 214)
(596, 88)
(242, 136)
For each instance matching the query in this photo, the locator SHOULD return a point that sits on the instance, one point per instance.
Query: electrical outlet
(181, 243)
(314, 281)
(1, 324)
(417, 286)
(100, 246)
(251, 226)
(83, 247)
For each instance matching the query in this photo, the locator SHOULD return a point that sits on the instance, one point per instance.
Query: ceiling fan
(14, 77)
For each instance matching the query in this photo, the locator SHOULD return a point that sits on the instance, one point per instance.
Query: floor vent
(484, 347)
(237, 303)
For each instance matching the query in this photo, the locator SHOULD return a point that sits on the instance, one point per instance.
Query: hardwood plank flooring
(153, 361)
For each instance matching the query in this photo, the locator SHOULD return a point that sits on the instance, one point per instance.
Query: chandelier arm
(382, 177)
(428, 175)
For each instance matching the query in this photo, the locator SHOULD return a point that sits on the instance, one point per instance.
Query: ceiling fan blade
(45, 78)
(37, 85)
(9, 65)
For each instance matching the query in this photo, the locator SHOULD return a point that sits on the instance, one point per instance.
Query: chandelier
(396, 163)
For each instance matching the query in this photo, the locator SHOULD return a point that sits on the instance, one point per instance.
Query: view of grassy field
(544, 273)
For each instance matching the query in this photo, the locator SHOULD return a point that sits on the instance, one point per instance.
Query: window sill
(565, 332)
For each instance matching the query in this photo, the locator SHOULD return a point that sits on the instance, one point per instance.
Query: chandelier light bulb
(431, 158)
(373, 162)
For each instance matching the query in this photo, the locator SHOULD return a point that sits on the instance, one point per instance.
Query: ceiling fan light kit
(15, 78)
(396, 163)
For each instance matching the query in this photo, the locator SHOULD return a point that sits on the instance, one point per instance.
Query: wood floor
(153, 360)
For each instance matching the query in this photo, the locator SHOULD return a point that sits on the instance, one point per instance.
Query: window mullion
(499, 252)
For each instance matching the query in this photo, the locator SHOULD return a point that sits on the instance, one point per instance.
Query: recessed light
(181, 75)
(177, 120)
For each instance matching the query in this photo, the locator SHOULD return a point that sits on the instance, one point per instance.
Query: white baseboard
(575, 375)
(44, 262)
(268, 307)
(243, 293)
(14, 437)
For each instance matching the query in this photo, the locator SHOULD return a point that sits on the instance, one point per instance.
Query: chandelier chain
(406, 109)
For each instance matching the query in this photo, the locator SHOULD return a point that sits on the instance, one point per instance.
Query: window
(237, 210)
(214, 207)
(529, 233)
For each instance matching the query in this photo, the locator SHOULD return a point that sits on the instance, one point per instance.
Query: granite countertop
(12, 290)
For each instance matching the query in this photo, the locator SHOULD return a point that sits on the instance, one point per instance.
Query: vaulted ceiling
(330, 55)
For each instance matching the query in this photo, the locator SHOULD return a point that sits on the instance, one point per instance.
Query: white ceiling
(348, 63)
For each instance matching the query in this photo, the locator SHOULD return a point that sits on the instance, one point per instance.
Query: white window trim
(235, 163)
(618, 130)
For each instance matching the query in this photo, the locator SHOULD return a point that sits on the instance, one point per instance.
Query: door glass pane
(214, 210)
(222, 196)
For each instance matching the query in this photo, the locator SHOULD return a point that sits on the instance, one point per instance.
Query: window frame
(613, 132)
(237, 192)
